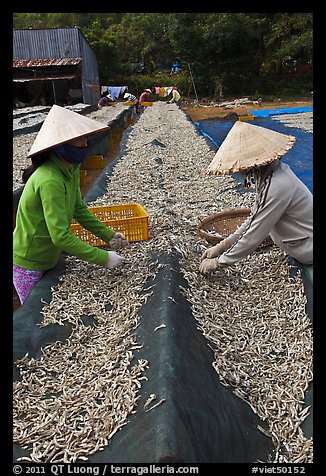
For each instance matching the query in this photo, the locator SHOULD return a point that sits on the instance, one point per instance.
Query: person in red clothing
(104, 101)
(145, 96)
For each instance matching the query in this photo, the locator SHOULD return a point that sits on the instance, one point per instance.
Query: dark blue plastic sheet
(282, 110)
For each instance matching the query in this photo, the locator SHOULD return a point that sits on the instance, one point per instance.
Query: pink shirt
(144, 97)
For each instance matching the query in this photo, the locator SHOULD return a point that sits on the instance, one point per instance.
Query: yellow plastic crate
(94, 162)
(131, 219)
(248, 117)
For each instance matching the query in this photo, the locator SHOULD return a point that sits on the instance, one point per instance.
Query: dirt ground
(201, 112)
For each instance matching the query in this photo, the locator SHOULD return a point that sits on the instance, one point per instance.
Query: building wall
(90, 76)
(59, 43)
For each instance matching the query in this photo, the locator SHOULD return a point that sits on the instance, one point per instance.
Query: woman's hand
(114, 260)
(118, 241)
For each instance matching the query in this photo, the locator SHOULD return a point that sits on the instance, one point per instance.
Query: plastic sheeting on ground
(282, 110)
(200, 420)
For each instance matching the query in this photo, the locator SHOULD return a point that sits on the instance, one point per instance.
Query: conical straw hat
(62, 125)
(247, 146)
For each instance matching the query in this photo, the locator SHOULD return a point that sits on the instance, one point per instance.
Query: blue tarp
(283, 110)
(114, 91)
(299, 157)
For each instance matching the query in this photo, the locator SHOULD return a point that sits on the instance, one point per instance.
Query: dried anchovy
(161, 326)
(149, 400)
(156, 405)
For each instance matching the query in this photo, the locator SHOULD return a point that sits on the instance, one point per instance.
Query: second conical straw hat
(62, 125)
(247, 146)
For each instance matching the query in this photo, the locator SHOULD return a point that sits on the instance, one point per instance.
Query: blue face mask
(246, 179)
(72, 154)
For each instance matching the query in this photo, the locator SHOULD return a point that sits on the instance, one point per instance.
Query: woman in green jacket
(52, 198)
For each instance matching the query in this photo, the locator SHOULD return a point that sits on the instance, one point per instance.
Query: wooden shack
(53, 66)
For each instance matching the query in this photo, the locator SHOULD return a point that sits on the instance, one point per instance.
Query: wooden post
(55, 99)
(193, 83)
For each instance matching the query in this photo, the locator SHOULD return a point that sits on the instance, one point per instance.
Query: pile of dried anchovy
(21, 146)
(303, 120)
(22, 143)
(71, 401)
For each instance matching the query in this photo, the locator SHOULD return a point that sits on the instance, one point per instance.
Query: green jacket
(50, 200)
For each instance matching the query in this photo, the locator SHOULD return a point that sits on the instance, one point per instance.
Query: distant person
(104, 101)
(175, 68)
(175, 96)
(145, 96)
(284, 205)
(130, 97)
(18, 103)
(51, 199)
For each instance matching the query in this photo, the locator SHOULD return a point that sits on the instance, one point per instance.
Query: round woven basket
(218, 226)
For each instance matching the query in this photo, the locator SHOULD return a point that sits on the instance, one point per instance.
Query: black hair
(36, 162)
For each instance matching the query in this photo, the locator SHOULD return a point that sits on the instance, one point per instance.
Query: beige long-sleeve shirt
(175, 96)
(283, 210)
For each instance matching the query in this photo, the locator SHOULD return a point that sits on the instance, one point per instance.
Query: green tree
(233, 53)
(222, 48)
(142, 37)
(290, 35)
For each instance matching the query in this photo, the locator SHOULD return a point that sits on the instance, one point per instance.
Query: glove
(208, 265)
(118, 241)
(216, 250)
(114, 260)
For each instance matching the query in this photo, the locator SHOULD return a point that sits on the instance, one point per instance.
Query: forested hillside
(226, 53)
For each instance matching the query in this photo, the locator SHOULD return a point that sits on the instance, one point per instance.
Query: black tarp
(201, 420)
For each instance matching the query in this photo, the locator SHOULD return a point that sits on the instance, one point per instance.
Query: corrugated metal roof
(46, 62)
(47, 43)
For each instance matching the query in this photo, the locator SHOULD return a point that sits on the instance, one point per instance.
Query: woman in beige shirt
(284, 205)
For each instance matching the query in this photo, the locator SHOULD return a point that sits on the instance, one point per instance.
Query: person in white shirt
(130, 97)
